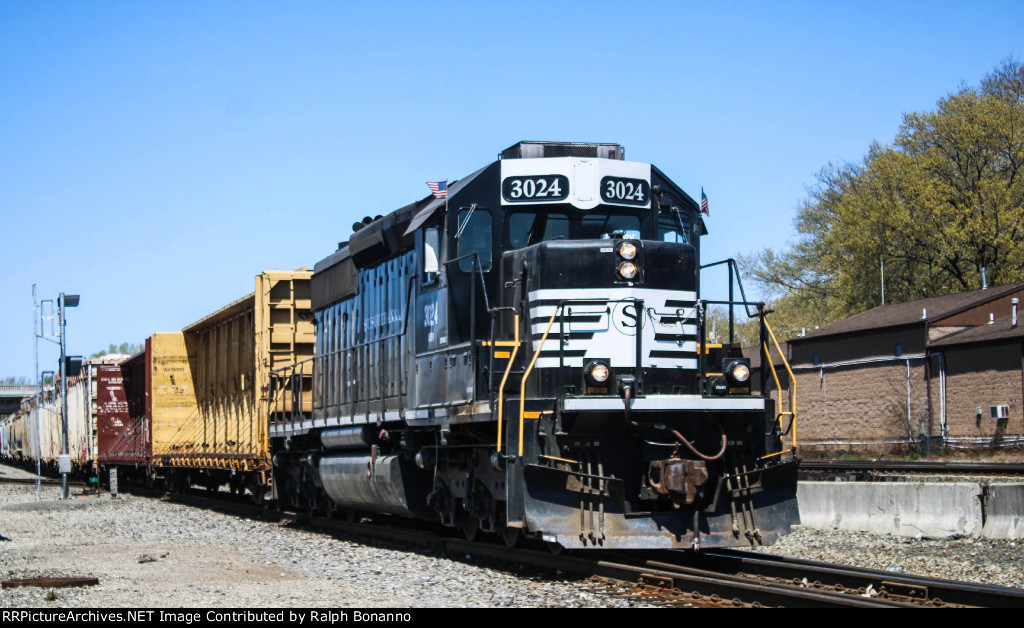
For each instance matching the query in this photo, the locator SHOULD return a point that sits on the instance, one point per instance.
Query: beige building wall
(980, 376)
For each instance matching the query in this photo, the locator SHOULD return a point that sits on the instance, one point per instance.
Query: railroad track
(918, 590)
(717, 577)
(713, 577)
(871, 469)
(43, 482)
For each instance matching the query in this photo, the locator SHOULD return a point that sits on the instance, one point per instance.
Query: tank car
(526, 356)
(39, 429)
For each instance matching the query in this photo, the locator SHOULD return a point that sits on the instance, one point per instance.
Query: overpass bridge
(12, 394)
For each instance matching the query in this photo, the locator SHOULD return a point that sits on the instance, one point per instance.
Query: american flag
(439, 188)
(704, 203)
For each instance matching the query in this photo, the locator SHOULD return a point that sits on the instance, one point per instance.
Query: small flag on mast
(439, 188)
(704, 202)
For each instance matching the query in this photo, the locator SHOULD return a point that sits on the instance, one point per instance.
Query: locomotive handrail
(478, 269)
(504, 378)
(733, 270)
(526, 374)
(273, 373)
(792, 382)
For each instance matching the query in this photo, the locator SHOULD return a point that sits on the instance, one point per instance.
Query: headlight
(627, 250)
(599, 372)
(739, 371)
(627, 270)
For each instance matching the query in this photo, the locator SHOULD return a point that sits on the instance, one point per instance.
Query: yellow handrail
(526, 375)
(504, 378)
(792, 379)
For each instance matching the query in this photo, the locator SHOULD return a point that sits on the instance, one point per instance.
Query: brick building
(949, 368)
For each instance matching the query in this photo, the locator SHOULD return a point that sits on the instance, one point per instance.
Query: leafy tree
(940, 204)
(746, 330)
(126, 348)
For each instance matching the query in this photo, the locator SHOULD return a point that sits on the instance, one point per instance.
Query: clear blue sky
(155, 156)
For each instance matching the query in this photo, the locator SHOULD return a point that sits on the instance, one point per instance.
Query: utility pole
(39, 393)
(64, 461)
(882, 263)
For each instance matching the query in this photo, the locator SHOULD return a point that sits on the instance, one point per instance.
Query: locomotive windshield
(609, 225)
(526, 228)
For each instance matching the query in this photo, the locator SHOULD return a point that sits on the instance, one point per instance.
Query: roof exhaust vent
(532, 150)
(924, 314)
(1013, 319)
(991, 318)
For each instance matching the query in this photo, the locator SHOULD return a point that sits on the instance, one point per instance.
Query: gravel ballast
(151, 553)
(969, 559)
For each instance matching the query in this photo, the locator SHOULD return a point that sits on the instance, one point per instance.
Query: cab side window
(431, 253)
(671, 229)
(475, 238)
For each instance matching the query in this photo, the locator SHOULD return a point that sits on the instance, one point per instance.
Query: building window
(816, 359)
(899, 351)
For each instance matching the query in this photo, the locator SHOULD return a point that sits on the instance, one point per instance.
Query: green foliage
(746, 331)
(126, 348)
(940, 203)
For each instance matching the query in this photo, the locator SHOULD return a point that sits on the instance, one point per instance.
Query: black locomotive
(527, 357)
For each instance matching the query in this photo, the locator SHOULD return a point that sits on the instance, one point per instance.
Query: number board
(625, 191)
(544, 187)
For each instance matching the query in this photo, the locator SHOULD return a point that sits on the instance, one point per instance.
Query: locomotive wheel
(513, 537)
(471, 527)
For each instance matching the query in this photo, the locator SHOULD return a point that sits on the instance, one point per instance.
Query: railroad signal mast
(43, 314)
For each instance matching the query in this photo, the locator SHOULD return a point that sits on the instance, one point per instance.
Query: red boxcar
(123, 434)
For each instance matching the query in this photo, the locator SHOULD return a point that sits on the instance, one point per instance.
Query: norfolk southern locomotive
(527, 357)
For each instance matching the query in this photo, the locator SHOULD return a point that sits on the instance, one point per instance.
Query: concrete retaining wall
(1004, 512)
(904, 508)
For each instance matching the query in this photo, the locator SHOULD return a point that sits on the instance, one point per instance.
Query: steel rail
(32, 481)
(923, 588)
(917, 466)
